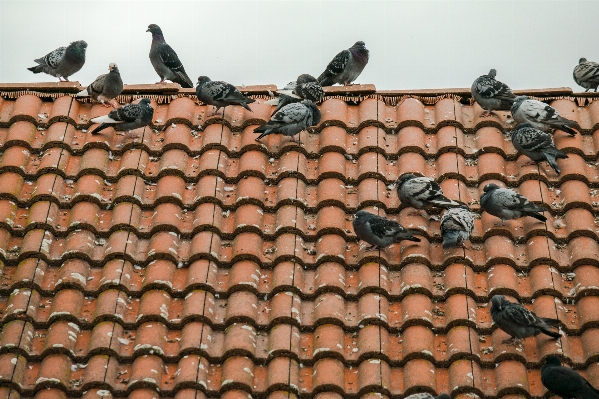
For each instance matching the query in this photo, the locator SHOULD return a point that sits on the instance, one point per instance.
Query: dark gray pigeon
(536, 145)
(491, 94)
(426, 395)
(165, 61)
(304, 88)
(380, 232)
(62, 62)
(456, 226)
(126, 118)
(565, 382)
(518, 321)
(106, 87)
(220, 94)
(422, 193)
(586, 74)
(291, 119)
(346, 66)
(507, 204)
(541, 115)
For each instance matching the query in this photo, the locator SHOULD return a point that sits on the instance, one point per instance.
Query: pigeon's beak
(147, 30)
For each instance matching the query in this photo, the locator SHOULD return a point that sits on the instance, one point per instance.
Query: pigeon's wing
(172, 61)
(291, 113)
(457, 219)
(53, 58)
(311, 91)
(533, 140)
(338, 64)
(587, 71)
(519, 314)
(492, 88)
(228, 92)
(97, 86)
(509, 199)
(127, 113)
(539, 111)
(383, 227)
(216, 90)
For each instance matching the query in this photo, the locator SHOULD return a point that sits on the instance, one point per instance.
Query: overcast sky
(413, 44)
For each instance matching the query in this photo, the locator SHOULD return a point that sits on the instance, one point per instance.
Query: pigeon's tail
(183, 80)
(100, 128)
(105, 119)
(264, 129)
(244, 104)
(550, 322)
(552, 334)
(443, 202)
(408, 234)
(325, 80)
(82, 93)
(567, 126)
(535, 215)
(274, 101)
(37, 69)
(552, 157)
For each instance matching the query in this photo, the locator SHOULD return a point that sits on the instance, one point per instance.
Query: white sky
(413, 44)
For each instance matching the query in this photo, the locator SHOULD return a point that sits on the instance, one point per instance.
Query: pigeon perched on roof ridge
(506, 204)
(62, 62)
(565, 382)
(422, 192)
(491, 94)
(541, 116)
(127, 117)
(306, 87)
(379, 231)
(586, 74)
(291, 119)
(220, 94)
(165, 61)
(456, 226)
(106, 87)
(345, 66)
(537, 145)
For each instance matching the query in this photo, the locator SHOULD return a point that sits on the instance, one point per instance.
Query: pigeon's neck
(158, 37)
(74, 54)
(360, 55)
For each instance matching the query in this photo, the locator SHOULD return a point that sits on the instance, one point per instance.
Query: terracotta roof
(194, 263)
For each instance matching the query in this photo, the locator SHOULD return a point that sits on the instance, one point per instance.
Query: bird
(456, 226)
(346, 66)
(62, 62)
(380, 232)
(586, 74)
(565, 382)
(536, 145)
(422, 193)
(106, 87)
(220, 94)
(519, 322)
(506, 204)
(491, 94)
(541, 116)
(291, 119)
(127, 117)
(165, 61)
(306, 87)
(426, 395)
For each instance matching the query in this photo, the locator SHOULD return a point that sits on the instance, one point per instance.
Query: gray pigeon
(518, 321)
(422, 193)
(220, 94)
(565, 382)
(62, 62)
(346, 66)
(586, 74)
(304, 88)
(426, 395)
(491, 94)
(165, 61)
(506, 204)
(456, 226)
(541, 116)
(106, 87)
(291, 119)
(536, 145)
(380, 232)
(126, 118)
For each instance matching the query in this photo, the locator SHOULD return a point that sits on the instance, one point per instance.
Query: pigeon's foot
(162, 81)
(114, 104)
(107, 105)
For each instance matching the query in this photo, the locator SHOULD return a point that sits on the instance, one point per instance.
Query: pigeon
(506, 204)
(346, 66)
(126, 118)
(422, 193)
(305, 87)
(62, 62)
(541, 115)
(456, 226)
(586, 74)
(165, 61)
(565, 382)
(106, 87)
(518, 321)
(536, 145)
(291, 119)
(380, 232)
(426, 395)
(220, 94)
(491, 94)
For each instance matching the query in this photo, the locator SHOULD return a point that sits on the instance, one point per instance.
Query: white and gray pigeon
(106, 87)
(507, 204)
(565, 382)
(422, 193)
(346, 66)
(220, 94)
(306, 87)
(62, 62)
(456, 226)
(126, 118)
(165, 61)
(541, 116)
(586, 74)
(491, 94)
(426, 395)
(291, 119)
(518, 321)
(536, 145)
(380, 232)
